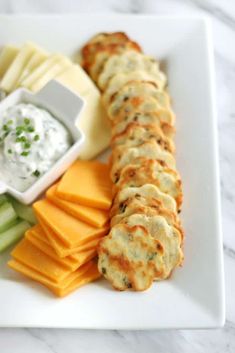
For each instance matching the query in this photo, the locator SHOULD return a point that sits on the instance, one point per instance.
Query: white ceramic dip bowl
(66, 107)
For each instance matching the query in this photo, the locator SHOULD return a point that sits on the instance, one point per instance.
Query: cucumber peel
(23, 211)
(3, 199)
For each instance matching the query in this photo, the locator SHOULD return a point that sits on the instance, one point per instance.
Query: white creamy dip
(31, 141)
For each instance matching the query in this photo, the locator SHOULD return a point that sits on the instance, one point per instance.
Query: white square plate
(194, 296)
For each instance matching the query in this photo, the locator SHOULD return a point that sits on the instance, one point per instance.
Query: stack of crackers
(146, 237)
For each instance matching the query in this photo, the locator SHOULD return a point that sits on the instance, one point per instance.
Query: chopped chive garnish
(21, 139)
(9, 151)
(27, 121)
(30, 129)
(10, 122)
(19, 130)
(5, 127)
(27, 145)
(36, 137)
(24, 153)
(36, 173)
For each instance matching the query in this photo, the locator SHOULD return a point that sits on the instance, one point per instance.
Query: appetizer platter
(99, 157)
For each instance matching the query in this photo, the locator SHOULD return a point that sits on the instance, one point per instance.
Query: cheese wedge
(59, 246)
(70, 262)
(70, 230)
(36, 60)
(14, 71)
(93, 216)
(83, 275)
(93, 120)
(41, 70)
(87, 183)
(7, 55)
(29, 255)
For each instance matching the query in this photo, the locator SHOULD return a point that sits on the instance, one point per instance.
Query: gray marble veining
(222, 14)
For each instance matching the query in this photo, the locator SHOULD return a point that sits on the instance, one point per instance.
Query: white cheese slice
(41, 70)
(58, 68)
(7, 55)
(93, 120)
(14, 71)
(78, 79)
(36, 60)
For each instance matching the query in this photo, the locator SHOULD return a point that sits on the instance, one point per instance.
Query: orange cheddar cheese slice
(88, 183)
(89, 276)
(59, 246)
(30, 256)
(83, 275)
(71, 231)
(93, 216)
(70, 262)
(48, 250)
(52, 240)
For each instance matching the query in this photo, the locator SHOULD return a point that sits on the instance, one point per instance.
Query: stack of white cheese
(32, 67)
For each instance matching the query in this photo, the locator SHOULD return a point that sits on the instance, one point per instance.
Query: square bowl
(66, 106)
(194, 295)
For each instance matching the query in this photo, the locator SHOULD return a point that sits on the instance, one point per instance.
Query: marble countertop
(222, 14)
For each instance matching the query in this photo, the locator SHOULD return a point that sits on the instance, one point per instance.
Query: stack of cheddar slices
(60, 251)
(145, 240)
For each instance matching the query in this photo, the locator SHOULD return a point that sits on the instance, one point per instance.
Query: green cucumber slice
(3, 199)
(23, 211)
(7, 216)
(13, 234)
